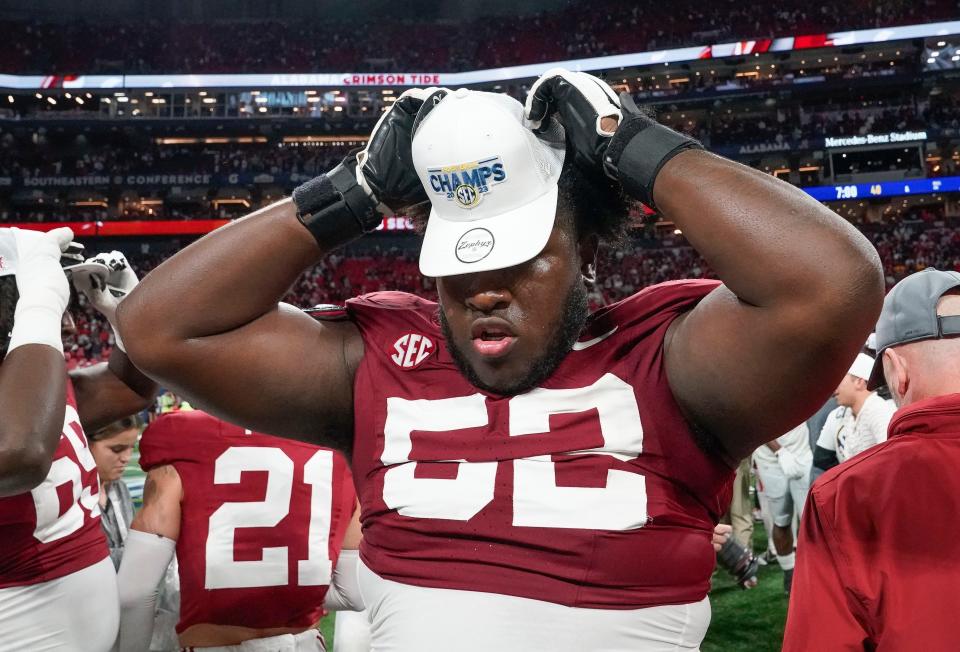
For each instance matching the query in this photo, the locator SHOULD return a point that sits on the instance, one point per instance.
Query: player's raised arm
(114, 389)
(207, 321)
(802, 288)
(33, 297)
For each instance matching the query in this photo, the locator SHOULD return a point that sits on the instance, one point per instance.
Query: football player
(57, 584)
(257, 523)
(533, 476)
(783, 465)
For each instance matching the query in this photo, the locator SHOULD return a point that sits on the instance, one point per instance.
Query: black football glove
(351, 199)
(633, 155)
(579, 102)
(385, 166)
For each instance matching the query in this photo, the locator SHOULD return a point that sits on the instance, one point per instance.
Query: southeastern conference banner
(421, 79)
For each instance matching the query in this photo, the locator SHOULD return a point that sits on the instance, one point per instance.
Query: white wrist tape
(36, 322)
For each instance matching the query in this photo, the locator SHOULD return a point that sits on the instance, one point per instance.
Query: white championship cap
(492, 183)
(862, 366)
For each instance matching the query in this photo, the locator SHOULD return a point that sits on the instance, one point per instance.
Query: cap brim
(496, 242)
(877, 378)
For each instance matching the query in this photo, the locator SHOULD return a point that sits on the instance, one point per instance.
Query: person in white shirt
(869, 414)
(783, 466)
(825, 449)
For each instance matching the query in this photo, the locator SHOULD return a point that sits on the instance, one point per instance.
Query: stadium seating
(427, 45)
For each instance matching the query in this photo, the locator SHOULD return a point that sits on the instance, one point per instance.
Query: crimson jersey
(262, 520)
(54, 529)
(588, 491)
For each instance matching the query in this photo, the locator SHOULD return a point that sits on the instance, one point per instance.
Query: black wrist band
(639, 150)
(330, 207)
(332, 226)
(344, 180)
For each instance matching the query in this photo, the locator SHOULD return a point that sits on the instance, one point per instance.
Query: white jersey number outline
(537, 499)
(222, 570)
(51, 524)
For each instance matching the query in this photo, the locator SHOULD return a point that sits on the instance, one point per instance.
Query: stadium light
(79, 99)
(51, 100)
(10, 99)
(68, 96)
(38, 96)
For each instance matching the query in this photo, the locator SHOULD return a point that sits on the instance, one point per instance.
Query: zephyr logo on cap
(474, 245)
(491, 181)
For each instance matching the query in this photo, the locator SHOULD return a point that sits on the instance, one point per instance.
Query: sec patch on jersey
(412, 350)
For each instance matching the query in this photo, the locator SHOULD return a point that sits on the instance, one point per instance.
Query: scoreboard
(884, 189)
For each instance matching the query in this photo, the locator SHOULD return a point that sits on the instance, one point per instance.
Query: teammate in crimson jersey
(257, 522)
(54, 552)
(533, 478)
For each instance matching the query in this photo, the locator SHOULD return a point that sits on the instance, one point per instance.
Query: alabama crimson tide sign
(411, 350)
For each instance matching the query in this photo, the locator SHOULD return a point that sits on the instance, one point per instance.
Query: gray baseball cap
(910, 314)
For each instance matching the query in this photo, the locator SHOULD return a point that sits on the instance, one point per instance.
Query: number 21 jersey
(262, 520)
(588, 491)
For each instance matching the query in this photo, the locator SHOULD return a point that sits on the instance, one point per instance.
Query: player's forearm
(224, 280)
(111, 390)
(33, 376)
(769, 242)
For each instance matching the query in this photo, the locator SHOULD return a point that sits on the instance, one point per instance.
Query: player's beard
(572, 319)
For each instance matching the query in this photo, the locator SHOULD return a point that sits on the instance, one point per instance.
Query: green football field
(743, 621)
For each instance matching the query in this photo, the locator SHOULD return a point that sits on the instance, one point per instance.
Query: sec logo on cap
(467, 196)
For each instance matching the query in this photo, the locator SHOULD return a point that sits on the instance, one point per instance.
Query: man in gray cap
(877, 567)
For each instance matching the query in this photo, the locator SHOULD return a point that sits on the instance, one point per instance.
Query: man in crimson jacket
(876, 561)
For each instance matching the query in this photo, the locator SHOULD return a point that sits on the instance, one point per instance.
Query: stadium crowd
(261, 171)
(426, 45)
